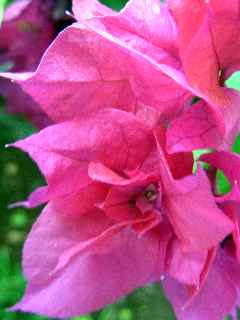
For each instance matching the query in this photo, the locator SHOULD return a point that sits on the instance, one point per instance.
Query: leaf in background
(116, 5)
(222, 183)
(150, 303)
(13, 127)
(234, 81)
(236, 145)
(3, 4)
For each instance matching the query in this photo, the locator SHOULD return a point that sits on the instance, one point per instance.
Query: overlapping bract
(124, 206)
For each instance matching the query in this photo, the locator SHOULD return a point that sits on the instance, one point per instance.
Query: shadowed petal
(93, 278)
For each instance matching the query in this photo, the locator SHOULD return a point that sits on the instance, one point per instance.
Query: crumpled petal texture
(208, 53)
(133, 74)
(111, 165)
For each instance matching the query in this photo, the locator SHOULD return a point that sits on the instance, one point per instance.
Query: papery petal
(150, 20)
(37, 197)
(99, 172)
(114, 137)
(84, 88)
(144, 225)
(226, 161)
(190, 205)
(210, 303)
(197, 128)
(118, 205)
(123, 201)
(99, 82)
(222, 21)
(73, 200)
(205, 39)
(92, 279)
(15, 10)
(179, 164)
(185, 266)
(136, 180)
(86, 9)
(196, 47)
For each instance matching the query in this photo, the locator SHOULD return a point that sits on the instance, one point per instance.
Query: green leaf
(150, 303)
(117, 5)
(196, 155)
(234, 81)
(223, 184)
(3, 4)
(236, 145)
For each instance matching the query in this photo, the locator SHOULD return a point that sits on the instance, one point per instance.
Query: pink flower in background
(26, 32)
(208, 55)
(27, 28)
(120, 213)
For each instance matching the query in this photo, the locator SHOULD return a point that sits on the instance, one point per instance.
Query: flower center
(151, 193)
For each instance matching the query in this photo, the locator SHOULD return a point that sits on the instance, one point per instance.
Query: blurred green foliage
(115, 4)
(234, 81)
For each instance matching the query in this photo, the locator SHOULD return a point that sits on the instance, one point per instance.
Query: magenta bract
(112, 166)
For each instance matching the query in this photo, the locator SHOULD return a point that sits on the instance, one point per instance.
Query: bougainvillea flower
(122, 212)
(28, 27)
(209, 56)
(109, 70)
(119, 214)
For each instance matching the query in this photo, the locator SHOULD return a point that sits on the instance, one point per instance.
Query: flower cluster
(132, 95)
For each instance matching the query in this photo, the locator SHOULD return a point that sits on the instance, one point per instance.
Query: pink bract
(161, 57)
(208, 57)
(116, 217)
(109, 71)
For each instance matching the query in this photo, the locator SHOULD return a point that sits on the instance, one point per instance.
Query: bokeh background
(19, 176)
